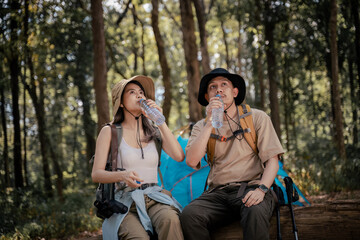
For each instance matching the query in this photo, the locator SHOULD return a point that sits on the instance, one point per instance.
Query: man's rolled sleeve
(268, 142)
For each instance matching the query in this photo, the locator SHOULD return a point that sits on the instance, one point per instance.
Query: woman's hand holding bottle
(152, 110)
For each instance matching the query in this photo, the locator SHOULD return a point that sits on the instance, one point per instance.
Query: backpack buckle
(222, 139)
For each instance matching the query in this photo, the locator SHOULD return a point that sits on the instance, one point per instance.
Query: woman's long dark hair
(149, 129)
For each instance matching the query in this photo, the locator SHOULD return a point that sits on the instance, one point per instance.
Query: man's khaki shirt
(234, 160)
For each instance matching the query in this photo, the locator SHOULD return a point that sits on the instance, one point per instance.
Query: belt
(146, 185)
(142, 187)
(242, 187)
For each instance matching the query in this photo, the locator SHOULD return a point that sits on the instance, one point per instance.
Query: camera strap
(114, 147)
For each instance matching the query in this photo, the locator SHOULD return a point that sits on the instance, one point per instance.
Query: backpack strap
(111, 163)
(114, 147)
(119, 131)
(246, 123)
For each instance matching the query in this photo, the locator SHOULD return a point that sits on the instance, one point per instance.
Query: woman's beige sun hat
(116, 93)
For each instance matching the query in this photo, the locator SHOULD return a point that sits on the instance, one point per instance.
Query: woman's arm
(170, 145)
(99, 174)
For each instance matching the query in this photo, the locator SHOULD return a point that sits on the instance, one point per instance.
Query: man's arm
(257, 196)
(196, 151)
(270, 171)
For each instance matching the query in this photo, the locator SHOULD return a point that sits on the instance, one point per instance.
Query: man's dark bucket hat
(237, 81)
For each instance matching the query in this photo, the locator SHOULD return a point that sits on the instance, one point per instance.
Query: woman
(149, 205)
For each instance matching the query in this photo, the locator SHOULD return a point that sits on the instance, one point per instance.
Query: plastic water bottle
(217, 115)
(153, 113)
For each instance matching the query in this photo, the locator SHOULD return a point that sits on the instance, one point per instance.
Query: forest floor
(322, 198)
(86, 235)
(335, 196)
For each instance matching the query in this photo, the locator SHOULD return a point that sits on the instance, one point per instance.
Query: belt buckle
(144, 186)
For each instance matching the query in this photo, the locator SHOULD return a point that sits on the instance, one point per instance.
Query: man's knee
(256, 219)
(193, 216)
(188, 214)
(259, 213)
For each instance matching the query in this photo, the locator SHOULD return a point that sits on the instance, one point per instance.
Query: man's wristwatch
(263, 188)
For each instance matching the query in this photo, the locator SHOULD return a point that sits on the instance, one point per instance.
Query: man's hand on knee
(253, 197)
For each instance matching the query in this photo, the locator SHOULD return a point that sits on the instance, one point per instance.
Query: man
(239, 178)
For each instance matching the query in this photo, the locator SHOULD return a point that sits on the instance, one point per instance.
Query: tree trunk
(260, 75)
(313, 104)
(55, 141)
(259, 57)
(134, 40)
(87, 122)
(77, 164)
(40, 117)
(39, 109)
(353, 102)
(165, 69)
(6, 145)
(57, 169)
(271, 63)
(239, 51)
(26, 28)
(142, 55)
(287, 110)
(227, 57)
(100, 71)
(355, 15)
(14, 73)
(239, 42)
(26, 175)
(192, 65)
(200, 15)
(339, 135)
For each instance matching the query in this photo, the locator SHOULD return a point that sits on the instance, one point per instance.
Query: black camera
(106, 208)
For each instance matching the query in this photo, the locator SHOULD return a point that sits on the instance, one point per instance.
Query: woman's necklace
(138, 140)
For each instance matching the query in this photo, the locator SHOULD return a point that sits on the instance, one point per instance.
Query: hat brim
(146, 82)
(237, 81)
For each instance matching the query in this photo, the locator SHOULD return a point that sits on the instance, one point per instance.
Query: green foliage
(60, 43)
(317, 167)
(36, 217)
(350, 177)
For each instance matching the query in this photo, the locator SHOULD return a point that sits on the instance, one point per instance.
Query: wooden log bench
(331, 220)
(335, 220)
